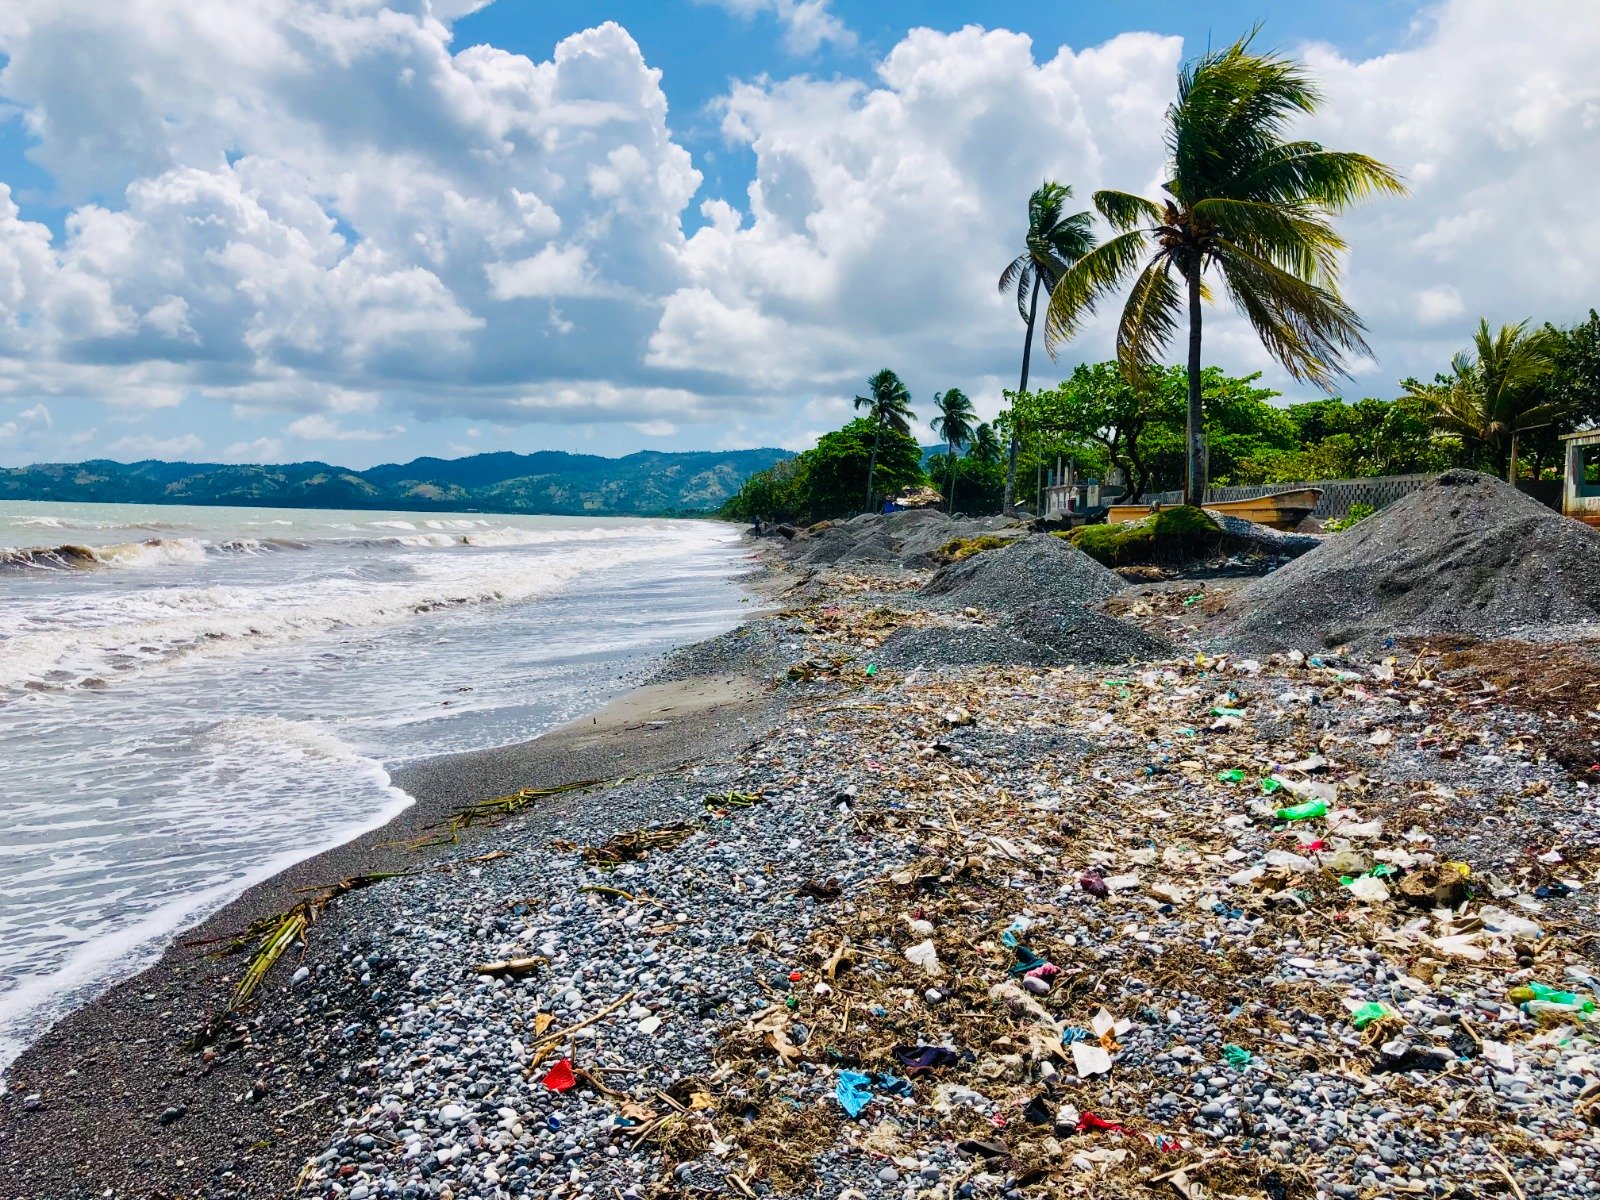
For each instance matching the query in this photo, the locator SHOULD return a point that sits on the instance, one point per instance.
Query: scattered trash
(559, 1077)
(925, 955)
(853, 1092)
(916, 1059)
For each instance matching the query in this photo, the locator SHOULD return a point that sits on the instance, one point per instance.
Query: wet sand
(130, 1105)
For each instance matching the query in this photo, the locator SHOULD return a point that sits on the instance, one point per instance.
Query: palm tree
(1241, 202)
(889, 406)
(985, 445)
(954, 425)
(1497, 392)
(1054, 243)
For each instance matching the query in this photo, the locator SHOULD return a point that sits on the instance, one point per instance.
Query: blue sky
(286, 229)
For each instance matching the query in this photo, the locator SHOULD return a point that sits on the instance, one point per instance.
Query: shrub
(1357, 514)
(1179, 534)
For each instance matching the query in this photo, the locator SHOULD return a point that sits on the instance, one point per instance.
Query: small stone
(175, 1113)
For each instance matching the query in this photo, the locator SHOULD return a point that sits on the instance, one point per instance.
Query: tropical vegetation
(1055, 242)
(955, 423)
(1246, 208)
(888, 406)
(1495, 391)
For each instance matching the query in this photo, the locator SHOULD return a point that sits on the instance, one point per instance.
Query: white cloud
(319, 427)
(326, 209)
(808, 25)
(142, 446)
(26, 428)
(261, 450)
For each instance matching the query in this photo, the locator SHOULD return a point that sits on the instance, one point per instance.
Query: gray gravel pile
(1464, 554)
(1036, 636)
(1234, 1038)
(1036, 571)
(910, 539)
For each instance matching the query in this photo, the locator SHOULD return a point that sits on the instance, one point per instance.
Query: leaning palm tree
(888, 406)
(1054, 243)
(954, 425)
(985, 444)
(1248, 207)
(1497, 392)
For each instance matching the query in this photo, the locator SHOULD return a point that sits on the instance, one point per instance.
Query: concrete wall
(1338, 495)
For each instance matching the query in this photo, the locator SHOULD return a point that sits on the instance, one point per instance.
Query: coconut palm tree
(985, 444)
(1496, 390)
(1245, 208)
(888, 407)
(954, 425)
(1054, 243)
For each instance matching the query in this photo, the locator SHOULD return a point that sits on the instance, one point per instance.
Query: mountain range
(649, 482)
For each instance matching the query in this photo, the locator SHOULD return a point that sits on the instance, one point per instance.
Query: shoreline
(107, 1073)
(935, 843)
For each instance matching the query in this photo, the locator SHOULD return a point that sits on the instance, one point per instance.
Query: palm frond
(1126, 211)
(1149, 320)
(1293, 237)
(1087, 282)
(1308, 329)
(1306, 172)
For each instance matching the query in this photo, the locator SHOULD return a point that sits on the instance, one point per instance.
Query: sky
(363, 230)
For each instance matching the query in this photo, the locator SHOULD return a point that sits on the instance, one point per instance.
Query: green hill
(549, 481)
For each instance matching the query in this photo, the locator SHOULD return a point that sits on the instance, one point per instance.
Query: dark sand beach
(912, 888)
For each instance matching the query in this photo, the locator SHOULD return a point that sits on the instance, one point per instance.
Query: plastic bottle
(1303, 812)
(1543, 992)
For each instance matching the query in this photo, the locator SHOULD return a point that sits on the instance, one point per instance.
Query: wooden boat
(1281, 510)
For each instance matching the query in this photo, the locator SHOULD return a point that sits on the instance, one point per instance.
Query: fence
(1339, 495)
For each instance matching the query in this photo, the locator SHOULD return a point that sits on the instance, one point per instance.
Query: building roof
(1585, 434)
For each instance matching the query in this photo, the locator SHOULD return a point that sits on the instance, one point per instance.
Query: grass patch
(1173, 535)
(965, 547)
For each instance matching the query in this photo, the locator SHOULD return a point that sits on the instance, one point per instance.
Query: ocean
(193, 698)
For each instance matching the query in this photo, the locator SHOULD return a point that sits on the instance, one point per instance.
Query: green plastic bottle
(1303, 812)
(1549, 995)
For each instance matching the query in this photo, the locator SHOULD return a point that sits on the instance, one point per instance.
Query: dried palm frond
(626, 847)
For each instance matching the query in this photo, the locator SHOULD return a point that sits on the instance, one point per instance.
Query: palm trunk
(1194, 486)
(950, 500)
(872, 463)
(1010, 508)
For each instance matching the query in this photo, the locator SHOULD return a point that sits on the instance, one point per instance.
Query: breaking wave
(69, 556)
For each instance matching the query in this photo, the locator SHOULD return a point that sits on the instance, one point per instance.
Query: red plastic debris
(1089, 1123)
(1094, 885)
(560, 1077)
(796, 976)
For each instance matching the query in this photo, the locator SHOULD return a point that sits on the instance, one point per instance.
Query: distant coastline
(546, 483)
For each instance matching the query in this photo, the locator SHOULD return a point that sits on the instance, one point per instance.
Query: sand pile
(1035, 636)
(1464, 554)
(910, 538)
(1035, 571)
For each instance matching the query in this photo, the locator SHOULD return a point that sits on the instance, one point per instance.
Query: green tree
(888, 408)
(1243, 203)
(840, 461)
(981, 483)
(1141, 427)
(1055, 241)
(985, 445)
(1495, 391)
(955, 425)
(1576, 382)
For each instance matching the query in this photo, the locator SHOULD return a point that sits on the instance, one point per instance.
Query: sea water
(193, 698)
